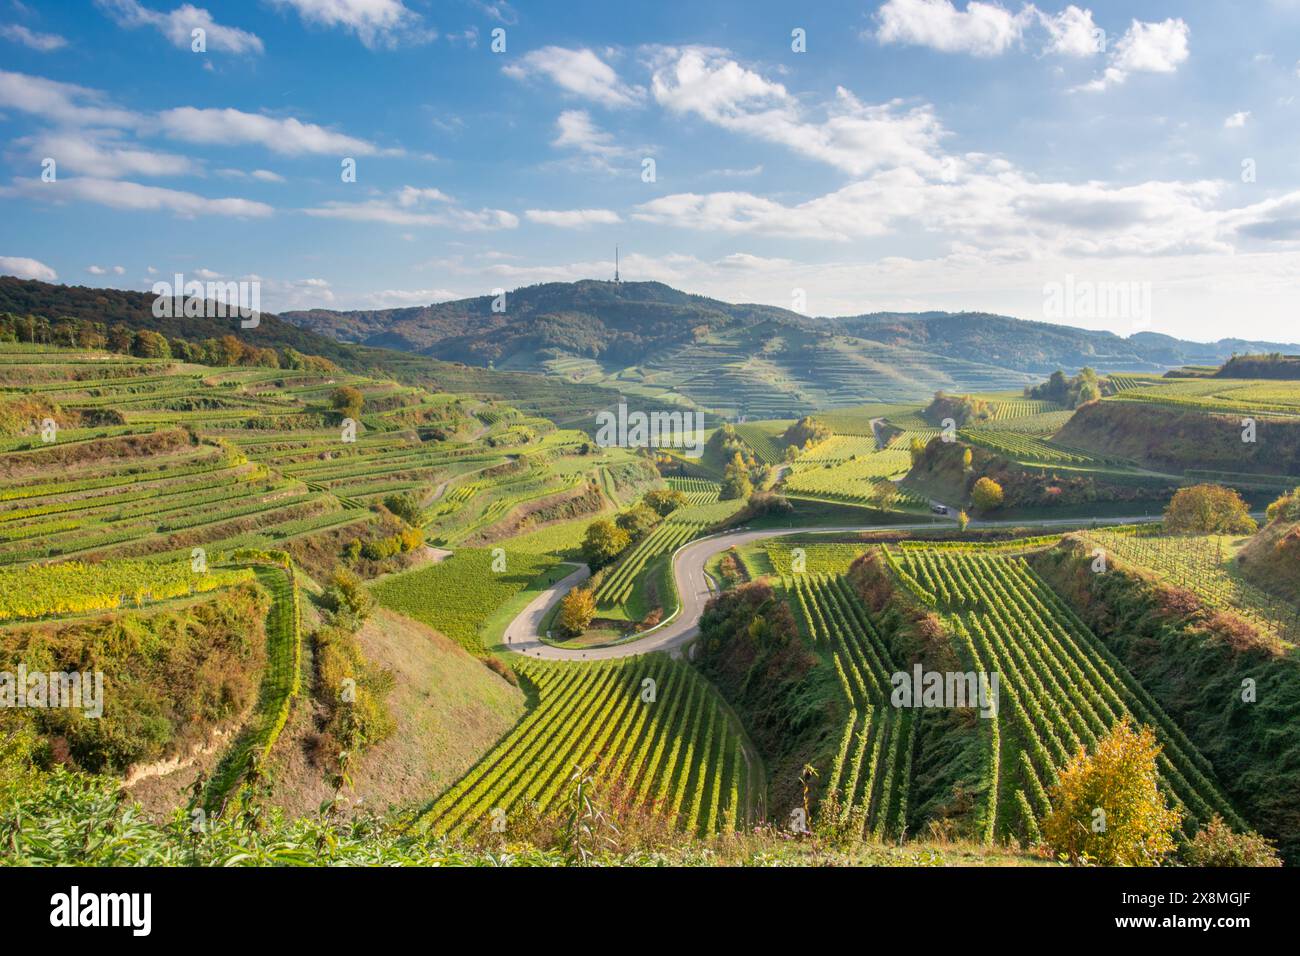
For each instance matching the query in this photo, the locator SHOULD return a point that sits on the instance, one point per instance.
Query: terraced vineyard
(1027, 448)
(681, 756)
(1254, 397)
(698, 491)
(866, 788)
(665, 538)
(280, 681)
(250, 457)
(817, 556)
(864, 480)
(70, 588)
(840, 448)
(857, 420)
(764, 439)
(1044, 424)
(1202, 564)
(1122, 383)
(1061, 688)
(1007, 409)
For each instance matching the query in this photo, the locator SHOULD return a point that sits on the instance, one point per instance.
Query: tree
(917, 450)
(1216, 844)
(966, 459)
(665, 500)
(603, 542)
(963, 520)
(638, 520)
(735, 480)
(345, 593)
(347, 401)
(986, 495)
(1285, 508)
(1208, 509)
(120, 338)
(807, 431)
(149, 344)
(886, 495)
(406, 506)
(577, 608)
(1106, 807)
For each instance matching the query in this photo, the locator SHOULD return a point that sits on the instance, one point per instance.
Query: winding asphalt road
(521, 634)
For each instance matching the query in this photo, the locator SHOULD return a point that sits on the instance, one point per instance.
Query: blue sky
(916, 154)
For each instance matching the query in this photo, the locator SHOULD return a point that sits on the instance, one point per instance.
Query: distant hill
(647, 342)
(755, 360)
(1040, 347)
(600, 320)
(135, 310)
(553, 398)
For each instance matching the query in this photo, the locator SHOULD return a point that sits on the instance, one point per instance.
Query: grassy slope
(1272, 559)
(450, 710)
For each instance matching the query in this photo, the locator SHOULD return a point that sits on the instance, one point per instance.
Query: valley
(347, 585)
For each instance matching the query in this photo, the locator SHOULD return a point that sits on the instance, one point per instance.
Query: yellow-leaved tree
(576, 610)
(1106, 808)
(986, 495)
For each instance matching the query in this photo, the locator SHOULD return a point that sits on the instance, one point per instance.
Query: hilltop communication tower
(616, 278)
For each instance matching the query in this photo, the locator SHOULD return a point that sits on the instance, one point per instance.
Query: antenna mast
(616, 279)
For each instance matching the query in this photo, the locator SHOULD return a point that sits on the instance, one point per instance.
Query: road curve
(521, 634)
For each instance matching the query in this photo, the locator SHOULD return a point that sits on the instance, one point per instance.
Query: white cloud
(96, 270)
(397, 298)
(411, 206)
(580, 72)
(1273, 220)
(565, 272)
(989, 207)
(756, 170)
(261, 175)
(1237, 120)
(751, 263)
(572, 218)
(577, 131)
(852, 136)
(1153, 47)
(64, 103)
(982, 29)
(414, 196)
(178, 26)
(281, 295)
(499, 10)
(122, 194)
(230, 127)
(596, 148)
(1145, 48)
(377, 23)
(69, 105)
(1072, 32)
(99, 153)
(25, 268)
(41, 42)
